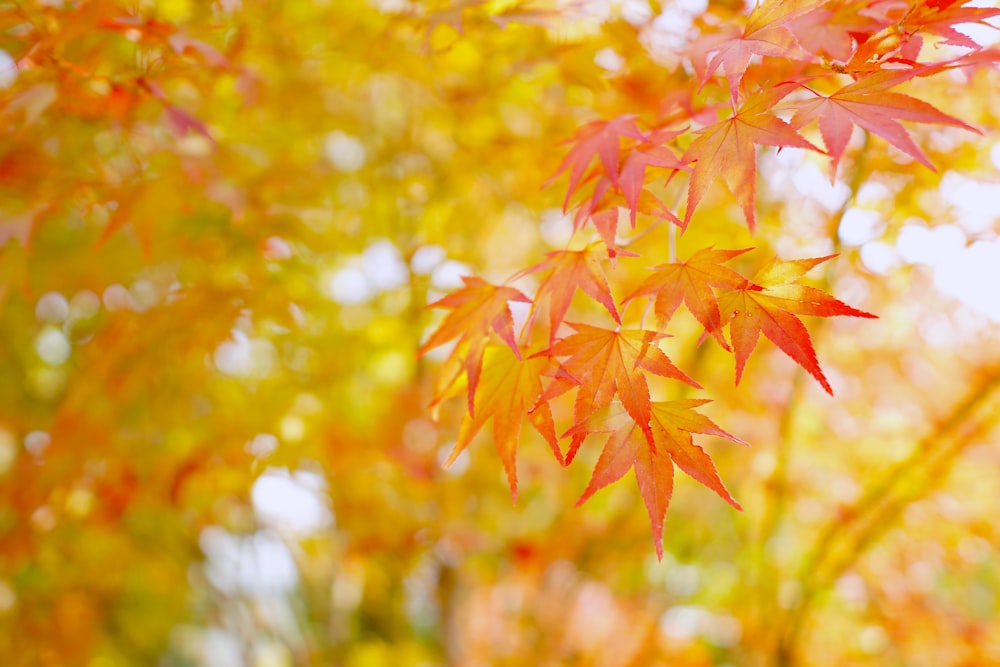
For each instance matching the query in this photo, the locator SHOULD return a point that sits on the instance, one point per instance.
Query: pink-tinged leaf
(602, 211)
(971, 62)
(183, 122)
(939, 17)
(600, 139)
(869, 104)
(606, 223)
(766, 34)
(829, 29)
(633, 176)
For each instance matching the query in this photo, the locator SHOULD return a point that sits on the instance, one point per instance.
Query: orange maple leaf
(508, 389)
(627, 448)
(769, 303)
(609, 362)
(477, 309)
(691, 282)
(727, 149)
(567, 271)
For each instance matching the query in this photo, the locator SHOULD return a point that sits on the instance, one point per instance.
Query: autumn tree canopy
(278, 279)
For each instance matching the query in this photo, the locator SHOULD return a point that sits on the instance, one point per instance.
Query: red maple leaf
(691, 282)
(633, 174)
(727, 149)
(672, 423)
(769, 303)
(603, 207)
(600, 139)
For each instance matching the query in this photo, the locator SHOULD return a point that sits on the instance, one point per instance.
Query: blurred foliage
(220, 223)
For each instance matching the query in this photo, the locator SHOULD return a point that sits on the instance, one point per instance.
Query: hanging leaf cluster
(792, 74)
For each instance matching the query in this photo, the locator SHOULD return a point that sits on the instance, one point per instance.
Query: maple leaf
(602, 212)
(673, 424)
(600, 139)
(869, 104)
(608, 194)
(727, 149)
(569, 270)
(477, 309)
(627, 448)
(769, 303)
(939, 17)
(691, 282)
(970, 61)
(633, 174)
(509, 388)
(828, 30)
(765, 34)
(605, 363)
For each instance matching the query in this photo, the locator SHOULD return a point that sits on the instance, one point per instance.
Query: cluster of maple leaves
(789, 65)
